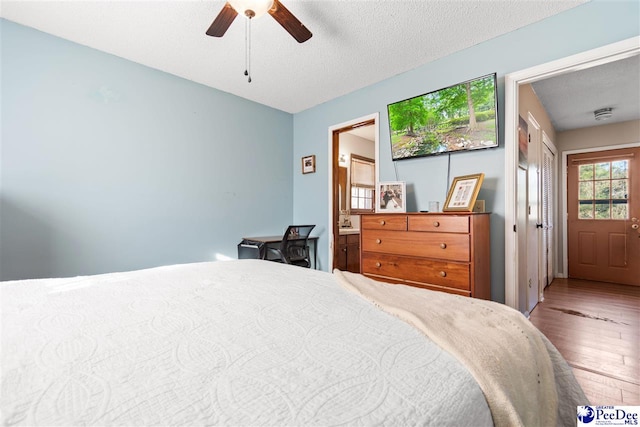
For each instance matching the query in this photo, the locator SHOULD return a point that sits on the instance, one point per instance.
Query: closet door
(548, 207)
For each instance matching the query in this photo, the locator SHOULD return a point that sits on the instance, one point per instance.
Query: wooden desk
(274, 241)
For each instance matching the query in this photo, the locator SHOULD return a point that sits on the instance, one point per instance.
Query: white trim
(549, 143)
(591, 58)
(376, 122)
(534, 172)
(554, 213)
(511, 99)
(565, 204)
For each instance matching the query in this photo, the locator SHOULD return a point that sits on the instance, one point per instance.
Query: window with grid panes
(362, 184)
(603, 190)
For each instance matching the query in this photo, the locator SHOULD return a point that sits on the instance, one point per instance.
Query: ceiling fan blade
(222, 21)
(289, 22)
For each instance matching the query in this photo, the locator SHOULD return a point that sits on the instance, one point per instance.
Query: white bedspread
(224, 343)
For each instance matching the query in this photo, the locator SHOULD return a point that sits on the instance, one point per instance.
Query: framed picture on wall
(463, 193)
(309, 164)
(391, 197)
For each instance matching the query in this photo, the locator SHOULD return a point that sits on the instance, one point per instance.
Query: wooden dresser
(443, 251)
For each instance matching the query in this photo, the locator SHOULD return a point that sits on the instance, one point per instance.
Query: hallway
(596, 327)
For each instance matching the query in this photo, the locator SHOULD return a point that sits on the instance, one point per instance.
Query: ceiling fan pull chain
(247, 41)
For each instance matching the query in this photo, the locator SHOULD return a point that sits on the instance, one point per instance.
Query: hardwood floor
(596, 327)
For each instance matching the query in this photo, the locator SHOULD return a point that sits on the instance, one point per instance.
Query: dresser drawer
(446, 246)
(384, 222)
(448, 252)
(449, 274)
(439, 223)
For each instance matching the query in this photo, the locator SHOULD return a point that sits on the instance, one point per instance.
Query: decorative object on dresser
(391, 197)
(478, 206)
(463, 193)
(447, 252)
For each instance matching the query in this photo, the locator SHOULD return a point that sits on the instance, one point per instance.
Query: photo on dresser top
(391, 197)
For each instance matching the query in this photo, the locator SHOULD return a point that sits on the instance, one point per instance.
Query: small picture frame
(463, 193)
(391, 197)
(309, 164)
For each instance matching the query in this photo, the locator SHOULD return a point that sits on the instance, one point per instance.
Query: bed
(251, 342)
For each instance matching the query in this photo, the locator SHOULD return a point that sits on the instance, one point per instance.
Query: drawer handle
(382, 222)
(443, 274)
(436, 224)
(443, 246)
(378, 265)
(378, 241)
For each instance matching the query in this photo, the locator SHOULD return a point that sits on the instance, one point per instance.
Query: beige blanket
(517, 368)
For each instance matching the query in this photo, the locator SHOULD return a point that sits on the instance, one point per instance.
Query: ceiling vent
(603, 114)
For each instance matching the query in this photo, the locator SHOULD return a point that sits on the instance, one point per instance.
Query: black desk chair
(294, 248)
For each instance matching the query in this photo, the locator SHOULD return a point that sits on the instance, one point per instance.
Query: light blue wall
(107, 165)
(591, 25)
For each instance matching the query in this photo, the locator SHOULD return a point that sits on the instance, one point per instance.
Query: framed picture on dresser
(463, 193)
(391, 196)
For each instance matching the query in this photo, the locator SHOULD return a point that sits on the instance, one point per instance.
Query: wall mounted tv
(457, 118)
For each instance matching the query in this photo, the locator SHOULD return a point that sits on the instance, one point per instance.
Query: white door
(523, 274)
(548, 208)
(533, 214)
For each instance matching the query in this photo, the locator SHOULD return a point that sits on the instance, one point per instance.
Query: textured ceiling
(571, 99)
(355, 43)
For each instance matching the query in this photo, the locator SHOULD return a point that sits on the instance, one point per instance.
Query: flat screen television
(453, 119)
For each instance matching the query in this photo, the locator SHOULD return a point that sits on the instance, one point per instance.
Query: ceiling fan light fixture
(603, 114)
(251, 8)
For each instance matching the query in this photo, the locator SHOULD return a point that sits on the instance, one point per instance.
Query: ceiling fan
(254, 9)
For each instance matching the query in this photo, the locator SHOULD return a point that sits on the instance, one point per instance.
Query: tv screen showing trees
(456, 118)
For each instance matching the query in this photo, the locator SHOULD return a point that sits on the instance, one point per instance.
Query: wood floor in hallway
(596, 327)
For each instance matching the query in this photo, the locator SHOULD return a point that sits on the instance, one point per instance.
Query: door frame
(602, 55)
(541, 255)
(547, 142)
(533, 233)
(333, 156)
